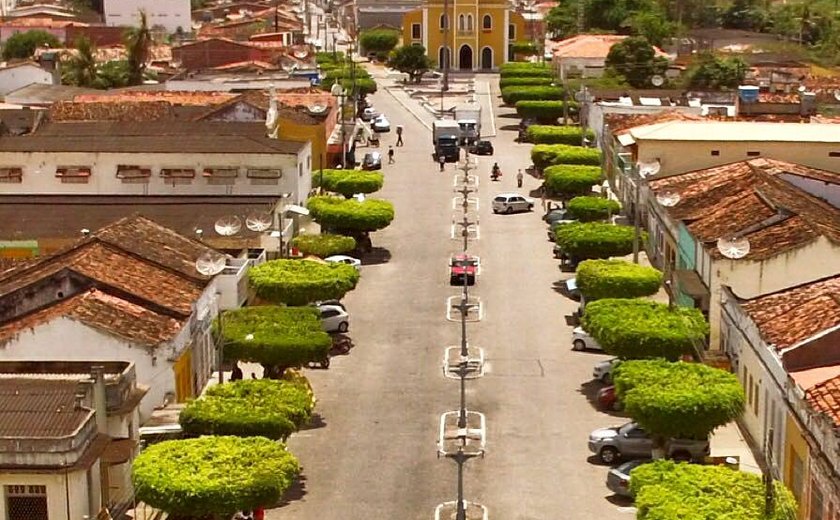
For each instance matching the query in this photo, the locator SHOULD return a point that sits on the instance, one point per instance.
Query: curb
(410, 110)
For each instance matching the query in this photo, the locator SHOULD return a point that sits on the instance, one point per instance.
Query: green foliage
(635, 59)
(375, 40)
(348, 182)
(544, 111)
(22, 45)
(565, 180)
(411, 60)
(525, 70)
(549, 134)
(213, 475)
(324, 244)
(711, 72)
(363, 86)
(272, 335)
(598, 279)
(517, 81)
(80, 69)
(112, 74)
(322, 58)
(298, 282)
(562, 20)
(510, 95)
(590, 209)
(337, 213)
(585, 240)
(666, 490)
(544, 155)
(747, 15)
(525, 48)
(344, 74)
(639, 329)
(678, 400)
(138, 42)
(249, 408)
(653, 25)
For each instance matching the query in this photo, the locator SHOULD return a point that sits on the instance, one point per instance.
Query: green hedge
(587, 240)
(324, 57)
(213, 476)
(666, 490)
(377, 40)
(510, 95)
(323, 244)
(337, 213)
(678, 400)
(527, 48)
(525, 70)
(299, 282)
(598, 279)
(547, 112)
(517, 81)
(569, 180)
(348, 182)
(249, 408)
(549, 134)
(638, 329)
(273, 335)
(591, 209)
(544, 155)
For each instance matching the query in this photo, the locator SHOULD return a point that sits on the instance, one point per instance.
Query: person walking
(390, 155)
(542, 197)
(441, 161)
(399, 135)
(519, 178)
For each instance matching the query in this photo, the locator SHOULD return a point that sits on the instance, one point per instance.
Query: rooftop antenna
(258, 221)
(733, 247)
(649, 168)
(228, 225)
(210, 263)
(668, 198)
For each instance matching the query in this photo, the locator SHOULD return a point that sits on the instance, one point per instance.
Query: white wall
(66, 493)
(169, 14)
(14, 78)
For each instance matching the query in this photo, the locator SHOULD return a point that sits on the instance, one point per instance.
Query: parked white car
(602, 370)
(510, 202)
(334, 318)
(381, 124)
(581, 340)
(369, 113)
(344, 259)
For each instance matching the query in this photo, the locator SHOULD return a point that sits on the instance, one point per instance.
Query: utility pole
(446, 53)
(767, 476)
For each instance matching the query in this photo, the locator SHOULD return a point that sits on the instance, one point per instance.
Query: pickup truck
(631, 441)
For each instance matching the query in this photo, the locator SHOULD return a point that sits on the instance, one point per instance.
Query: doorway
(465, 58)
(486, 58)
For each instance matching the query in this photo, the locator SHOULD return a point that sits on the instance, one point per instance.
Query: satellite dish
(657, 80)
(210, 263)
(668, 198)
(300, 54)
(228, 226)
(801, 89)
(258, 221)
(651, 168)
(837, 95)
(317, 109)
(733, 247)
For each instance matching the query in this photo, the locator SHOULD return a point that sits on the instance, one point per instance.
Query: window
(756, 396)
(415, 31)
(487, 22)
(461, 22)
(26, 502)
(73, 174)
(178, 175)
(511, 32)
(797, 476)
(264, 176)
(834, 154)
(715, 153)
(11, 175)
(444, 21)
(132, 174)
(217, 176)
(469, 22)
(816, 501)
(753, 154)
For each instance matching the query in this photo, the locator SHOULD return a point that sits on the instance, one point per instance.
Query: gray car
(618, 479)
(631, 441)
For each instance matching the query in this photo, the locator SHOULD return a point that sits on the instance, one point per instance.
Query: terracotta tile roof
(825, 398)
(105, 312)
(39, 408)
(787, 317)
(125, 111)
(621, 123)
(739, 198)
(174, 97)
(252, 64)
(590, 46)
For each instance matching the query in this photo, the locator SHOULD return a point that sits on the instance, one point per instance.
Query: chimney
(80, 399)
(97, 373)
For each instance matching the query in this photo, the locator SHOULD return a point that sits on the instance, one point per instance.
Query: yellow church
(479, 39)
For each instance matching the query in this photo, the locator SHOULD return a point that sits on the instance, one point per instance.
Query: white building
(169, 14)
(18, 75)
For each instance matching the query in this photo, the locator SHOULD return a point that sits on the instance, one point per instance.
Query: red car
(607, 399)
(462, 264)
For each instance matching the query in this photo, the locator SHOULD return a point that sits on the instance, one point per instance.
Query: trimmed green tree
(517, 81)
(299, 282)
(524, 48)
(323, 244)
(712, 72)
(635, 59)
(678, 400)
(249, 408)
(615, 278)
(551, 134)
(23, 44)
(667, 490)
(638, 329)
(336, 213)
(348, 182)
(569, 180)
(376, 40)
(546, 112)
(585, 240)
(510, 95)
(411, 60)
(544, 155)
(590, 209)
(525, 70)
(213, 476)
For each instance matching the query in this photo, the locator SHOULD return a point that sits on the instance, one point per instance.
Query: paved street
(375, 456)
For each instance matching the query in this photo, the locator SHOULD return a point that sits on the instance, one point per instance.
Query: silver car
(618, 479)
(631, 441)
(510, 202)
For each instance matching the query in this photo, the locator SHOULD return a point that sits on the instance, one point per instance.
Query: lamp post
(280, 232)
(338, 91)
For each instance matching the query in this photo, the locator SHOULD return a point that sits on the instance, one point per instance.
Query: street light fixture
(340, 92)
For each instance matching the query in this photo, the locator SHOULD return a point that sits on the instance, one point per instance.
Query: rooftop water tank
(748, 93)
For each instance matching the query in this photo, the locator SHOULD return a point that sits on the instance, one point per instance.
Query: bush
(668, 490)
(22, 45)
(590, 209)
(324, 244)
(516, 81)
(525, 70)
(583, 241)
(526, 48)
(322, 58)
(598, 279)
(639, 329)
(678, 400)
(510, 95)
(376, 40)
(337, 213)
(568, 180)
(544, 111)
(544, 155)
(299, 282)
(547, 134)
(348, 182)
(249, 408)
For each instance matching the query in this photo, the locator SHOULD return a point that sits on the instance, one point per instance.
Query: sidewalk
(727, 441)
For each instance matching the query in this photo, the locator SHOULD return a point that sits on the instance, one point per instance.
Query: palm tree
(137, 42)
(80, 70)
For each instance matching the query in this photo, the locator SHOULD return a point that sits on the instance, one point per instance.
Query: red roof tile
(825, 398)
(621, 123)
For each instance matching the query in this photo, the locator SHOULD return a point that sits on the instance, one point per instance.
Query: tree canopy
(324, 244)
(299, 282)
(568, 180)
(138, 42)
(598, 279)
(592, 208)
(678, 400)
(249, 408)
(348, 182)
(637, 328)
(635, 59)
(668, 490)
(213, 475)
(22, 45)
(411, 60)
(340, 214)
(375, 40)
(712, 72)
(585, 240)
